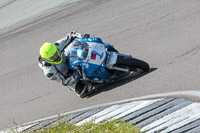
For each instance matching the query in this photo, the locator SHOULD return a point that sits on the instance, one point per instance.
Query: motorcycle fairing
(93, 64)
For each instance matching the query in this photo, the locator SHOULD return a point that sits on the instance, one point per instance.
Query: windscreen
(79, 51)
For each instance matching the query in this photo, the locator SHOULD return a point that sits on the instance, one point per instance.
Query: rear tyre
(133, 63)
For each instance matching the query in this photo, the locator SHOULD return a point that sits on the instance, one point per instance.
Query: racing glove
(75, 34)
(77, 74)
(84, 36)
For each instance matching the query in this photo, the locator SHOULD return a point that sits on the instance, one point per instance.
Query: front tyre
(132, 63)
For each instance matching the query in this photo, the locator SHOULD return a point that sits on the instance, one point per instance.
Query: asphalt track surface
(165, 33)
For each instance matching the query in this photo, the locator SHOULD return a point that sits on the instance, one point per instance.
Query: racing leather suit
(60, 72)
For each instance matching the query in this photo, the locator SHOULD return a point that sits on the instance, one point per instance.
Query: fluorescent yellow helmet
(50, 53)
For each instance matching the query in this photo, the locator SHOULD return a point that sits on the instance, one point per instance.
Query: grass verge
(115, 126)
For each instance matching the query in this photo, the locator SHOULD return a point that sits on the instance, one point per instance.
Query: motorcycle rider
(52, 61)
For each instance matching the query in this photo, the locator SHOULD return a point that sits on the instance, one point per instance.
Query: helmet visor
(55, 58)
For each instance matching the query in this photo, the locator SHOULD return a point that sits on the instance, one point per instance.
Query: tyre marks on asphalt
(6, 3)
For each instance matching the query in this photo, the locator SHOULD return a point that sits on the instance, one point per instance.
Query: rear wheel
(132, 63)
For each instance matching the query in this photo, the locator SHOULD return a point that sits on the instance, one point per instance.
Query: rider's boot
(82, 92)
(80, 88)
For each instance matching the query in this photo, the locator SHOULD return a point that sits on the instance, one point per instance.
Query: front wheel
(132, 63)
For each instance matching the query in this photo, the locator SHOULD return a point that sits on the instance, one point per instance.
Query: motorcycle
(100, 62)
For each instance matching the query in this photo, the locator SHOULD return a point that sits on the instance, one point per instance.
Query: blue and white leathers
(91, 55)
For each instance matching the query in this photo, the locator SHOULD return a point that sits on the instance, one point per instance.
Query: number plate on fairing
(99, 51)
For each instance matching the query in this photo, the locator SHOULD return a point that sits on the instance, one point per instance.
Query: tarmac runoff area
(153, 114)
